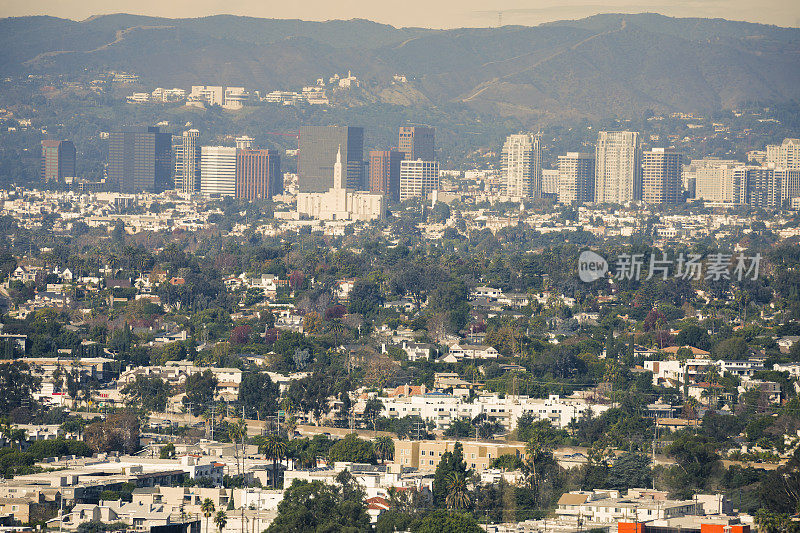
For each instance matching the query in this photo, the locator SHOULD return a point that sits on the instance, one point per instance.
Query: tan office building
(425, 454)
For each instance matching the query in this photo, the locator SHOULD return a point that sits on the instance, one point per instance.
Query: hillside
(599, 66)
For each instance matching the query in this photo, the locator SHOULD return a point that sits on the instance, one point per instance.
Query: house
(418, 350)
(459, 352)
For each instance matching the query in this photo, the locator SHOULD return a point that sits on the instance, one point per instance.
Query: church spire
(338, 182)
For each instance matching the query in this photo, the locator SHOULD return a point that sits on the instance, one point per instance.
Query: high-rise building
(522, 166)
(550, 182)
(187, 162)
(218, 170)
(576, 178)
(715, 180)
(617, 167)
(763, 187)
(786, 155)
(258, 174)
(417, 142)
(661, 176)
(58, 160)
(139, 160)
(418, 178)
(384, 172)
(317, 149)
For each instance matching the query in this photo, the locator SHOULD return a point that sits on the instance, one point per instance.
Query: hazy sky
(427, 13)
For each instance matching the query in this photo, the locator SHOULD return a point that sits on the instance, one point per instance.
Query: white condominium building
(522, 166)
(218, 170)
(618, 177)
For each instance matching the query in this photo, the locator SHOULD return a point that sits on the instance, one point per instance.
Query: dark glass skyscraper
(58, 160)
(140, 160)
(417, 142)
(384, 173)
(317, 150)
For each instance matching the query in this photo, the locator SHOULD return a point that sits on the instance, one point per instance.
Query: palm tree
(275, 449)
(384, 446)
(220, 520)
(457, 491)
(207, 508)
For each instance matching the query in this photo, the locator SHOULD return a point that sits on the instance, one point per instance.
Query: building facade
(417, 142)
(785, 155)
(58, 160)
(187, 162)
(617, 167)
(384, 173)
(522, 166)
(140, 160)
(317, 148)
(218, 170)
(661, 176)
(258, 174)
(715, 179)
(418, 178)
(576, 178)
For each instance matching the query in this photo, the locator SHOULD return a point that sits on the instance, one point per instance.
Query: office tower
(58, 160)
(715, 180)
(550, 182)
(244, 142)
(139, 160)
(576, 178)
(661, 176)
(317, 148)
(790, 185)
(417, 142)
(617, 167)
(218, 170)
(384, 173)
(258, 174)
(187, 162)
(786, 155)
(522, 166)
(763, 187)
(418, 178)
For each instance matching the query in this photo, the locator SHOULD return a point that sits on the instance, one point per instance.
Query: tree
(258, 393)
(734, 348)
(149, 393)
(200, 390)
(449, 463)
(693, 335)
(629, 470)
(274, 448)
(364, 297)
(352, 449)
(781, 489)
(457, 491)
(384, 447)
(372, 409)
(167, 452)
(118, 432)
(207, 508)
(442, 521)
(220, 520)
(316, 506)
(18, 384)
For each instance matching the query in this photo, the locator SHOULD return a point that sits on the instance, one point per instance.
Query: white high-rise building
(661, 176)
(522, 166)
(618, 176)
(187, 162)
(218, 170)
(418, 178)
(786, 155)
(576, 178)
(716, 179)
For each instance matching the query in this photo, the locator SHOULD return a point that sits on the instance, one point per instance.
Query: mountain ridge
(615, 64)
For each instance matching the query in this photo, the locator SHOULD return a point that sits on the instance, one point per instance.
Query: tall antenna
(499, 19)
